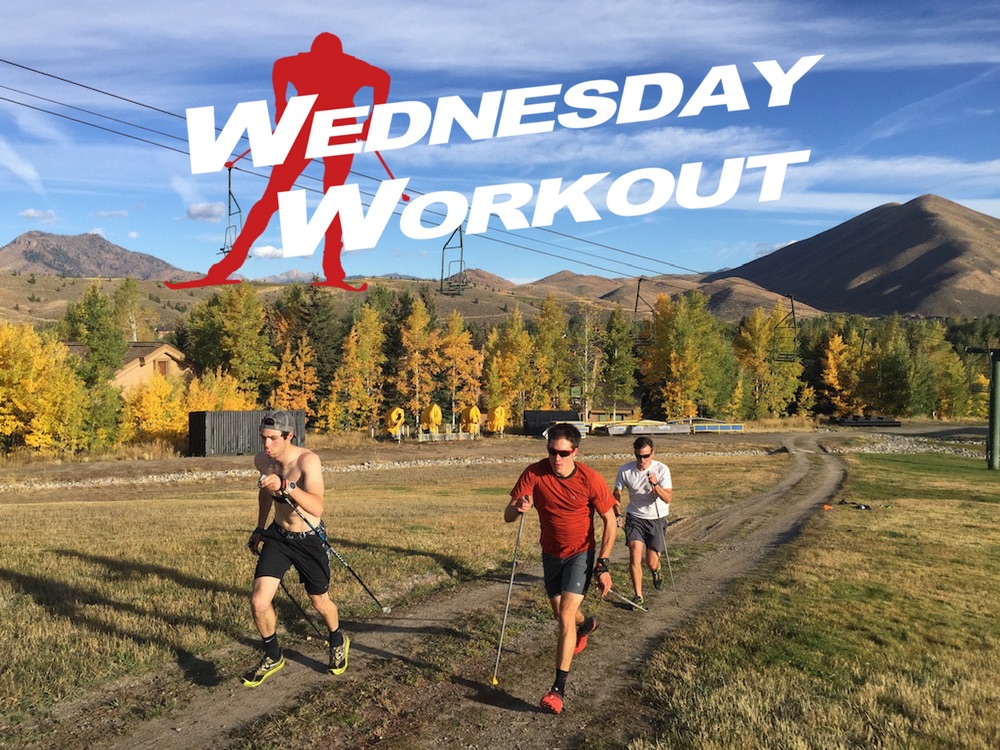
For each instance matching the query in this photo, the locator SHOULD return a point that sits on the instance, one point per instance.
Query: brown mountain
(82, 256)
(928, 257)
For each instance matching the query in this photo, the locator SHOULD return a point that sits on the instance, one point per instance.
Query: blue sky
(905, 101)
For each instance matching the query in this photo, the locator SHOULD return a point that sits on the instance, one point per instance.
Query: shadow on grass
(74, 602)
(454, 568)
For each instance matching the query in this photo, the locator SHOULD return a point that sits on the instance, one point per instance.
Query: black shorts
(303, 550)
(569, 574)
(649, 531)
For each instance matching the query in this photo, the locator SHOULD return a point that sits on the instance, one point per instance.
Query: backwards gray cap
(282, 421)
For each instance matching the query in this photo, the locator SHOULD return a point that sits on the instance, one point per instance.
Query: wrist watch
(292, 486)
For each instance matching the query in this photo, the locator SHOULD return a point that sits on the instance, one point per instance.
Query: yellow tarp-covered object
(497, 419)
(394, 421)
(430, 418)
(470, 420)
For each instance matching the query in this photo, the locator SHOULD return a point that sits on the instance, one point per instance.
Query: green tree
(130, 315)
(551, 355)
(771, 382)
(91, 322)
(228, 331)
(306, 309)
(619, 361)
(689, 367)
(587, 356)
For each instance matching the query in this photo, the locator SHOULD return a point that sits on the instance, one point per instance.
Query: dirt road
(398, 693)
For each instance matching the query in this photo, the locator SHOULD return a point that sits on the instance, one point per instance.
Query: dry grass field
(124, 585)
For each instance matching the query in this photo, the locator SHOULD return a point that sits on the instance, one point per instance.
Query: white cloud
(114, 214)
(133, 235)
(206, 211)
(22, 169)
(268, 251)
(44, 217)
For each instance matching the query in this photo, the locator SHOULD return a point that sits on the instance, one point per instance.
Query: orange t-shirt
(565, 506)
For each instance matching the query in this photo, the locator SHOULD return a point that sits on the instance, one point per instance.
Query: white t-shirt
(642, 501)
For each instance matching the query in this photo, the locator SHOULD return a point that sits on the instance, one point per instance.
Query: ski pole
(510, 588)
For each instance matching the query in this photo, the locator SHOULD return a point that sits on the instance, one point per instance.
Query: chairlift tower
(786, 341)
(642, 334)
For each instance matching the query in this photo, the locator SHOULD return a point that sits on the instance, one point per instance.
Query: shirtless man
(290, 477)
(335, 78)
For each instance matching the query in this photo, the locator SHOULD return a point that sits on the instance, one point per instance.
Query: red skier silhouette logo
(335, 79)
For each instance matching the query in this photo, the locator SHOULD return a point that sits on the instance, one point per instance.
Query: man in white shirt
(649, 495)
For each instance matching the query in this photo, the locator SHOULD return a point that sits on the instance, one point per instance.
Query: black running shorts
(303, 551)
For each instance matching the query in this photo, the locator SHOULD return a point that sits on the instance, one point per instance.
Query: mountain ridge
(928, 257)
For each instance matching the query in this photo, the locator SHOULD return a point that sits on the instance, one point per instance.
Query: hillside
(81, 256)
(927, 257)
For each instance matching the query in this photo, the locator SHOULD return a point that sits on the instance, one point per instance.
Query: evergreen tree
(310, 310)
(551, 355)
(619, 361)
(228, 331)
(91, 322)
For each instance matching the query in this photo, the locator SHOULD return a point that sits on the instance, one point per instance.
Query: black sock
(336, 638)
(271, 647)
(585, 627)
(559, 685)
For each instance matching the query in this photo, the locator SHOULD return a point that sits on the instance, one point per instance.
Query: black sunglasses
(643, 456)
(561, 454)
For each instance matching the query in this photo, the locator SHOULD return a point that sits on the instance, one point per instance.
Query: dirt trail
(457, 707)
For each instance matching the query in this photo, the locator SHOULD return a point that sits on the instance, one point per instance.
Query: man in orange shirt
(566, 493)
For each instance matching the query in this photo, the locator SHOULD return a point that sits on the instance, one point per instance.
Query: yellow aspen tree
(510, 367)
(690, 364)
(356, 393)
(420, 363)
(42, 399)
(297, 381)
(461, 364)
(839, 380)
(154, 410)
(218, 391)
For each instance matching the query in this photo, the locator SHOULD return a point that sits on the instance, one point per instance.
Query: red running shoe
(552, 702)
(587, 627)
